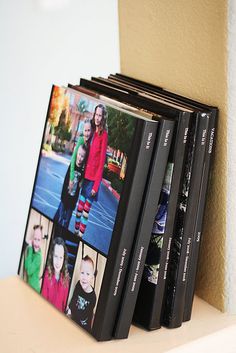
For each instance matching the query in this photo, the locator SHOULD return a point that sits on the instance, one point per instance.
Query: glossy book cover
(77, 202)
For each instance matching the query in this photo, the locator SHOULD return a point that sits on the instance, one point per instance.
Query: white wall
(231, 187)
(41, 42)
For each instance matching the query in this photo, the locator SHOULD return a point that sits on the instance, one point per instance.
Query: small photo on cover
(85, 286)
(72, 244)
(35, 249)
(82, 165)
(59, 268)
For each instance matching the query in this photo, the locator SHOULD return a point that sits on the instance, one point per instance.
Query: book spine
(184, 223)
(135, 100)
(149, 315)
(192, 271)
(135, 81)
(124, 230)
(160, 91)
(84, 90)
(143, 230)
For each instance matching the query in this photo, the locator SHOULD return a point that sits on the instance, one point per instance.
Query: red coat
(96, 159)
(55, 291)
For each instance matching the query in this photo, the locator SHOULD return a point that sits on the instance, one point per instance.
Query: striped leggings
(82, 213)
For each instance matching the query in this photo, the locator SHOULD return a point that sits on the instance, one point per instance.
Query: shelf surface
(31, 325)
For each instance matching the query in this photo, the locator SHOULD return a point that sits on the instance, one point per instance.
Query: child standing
(94, 168)
(70, 194)
(33, 258)
(85, 139)
(84, 298)
(56, 278)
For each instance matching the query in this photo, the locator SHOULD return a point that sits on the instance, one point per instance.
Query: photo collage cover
(76, 195)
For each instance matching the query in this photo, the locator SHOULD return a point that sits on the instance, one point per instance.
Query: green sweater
(32, 266)
(73, 158)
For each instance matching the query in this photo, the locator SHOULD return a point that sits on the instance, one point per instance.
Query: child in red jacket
(56, 278)
(93, 169)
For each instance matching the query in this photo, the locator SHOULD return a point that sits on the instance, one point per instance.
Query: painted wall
(182, 46)
(231, 167)
(42, 42)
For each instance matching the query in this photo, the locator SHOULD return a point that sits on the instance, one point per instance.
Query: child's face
(87, 131)
(98, 116)
(86, 275)
(80, 156)
(37, 239)
(58, 258)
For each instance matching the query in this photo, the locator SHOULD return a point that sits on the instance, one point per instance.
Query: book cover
(144, 228)
(158, 257)
(190, 254)
(184, 221)
(89, 184)
(197, 234)
(154, 275)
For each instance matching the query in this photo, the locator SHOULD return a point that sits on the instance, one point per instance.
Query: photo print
(59, 267)
(85, 286)
(82, 165)
(35, 249)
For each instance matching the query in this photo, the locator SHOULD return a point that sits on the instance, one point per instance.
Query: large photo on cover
(82, 165)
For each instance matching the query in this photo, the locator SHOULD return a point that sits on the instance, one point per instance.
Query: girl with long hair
(56, 278)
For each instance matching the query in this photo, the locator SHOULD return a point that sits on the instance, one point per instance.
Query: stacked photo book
(116, 214)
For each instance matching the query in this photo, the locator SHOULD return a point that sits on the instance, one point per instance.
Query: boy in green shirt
(33, 258)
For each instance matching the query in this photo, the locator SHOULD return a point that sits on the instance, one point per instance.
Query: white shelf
(30, 324)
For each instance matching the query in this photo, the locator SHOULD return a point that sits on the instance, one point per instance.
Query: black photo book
(184, 241)
(116, 213)
(88, 189)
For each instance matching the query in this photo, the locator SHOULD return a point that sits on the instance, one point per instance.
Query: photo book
(116, 213)
(89, 184)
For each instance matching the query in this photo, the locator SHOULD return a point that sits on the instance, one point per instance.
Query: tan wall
(181, 45)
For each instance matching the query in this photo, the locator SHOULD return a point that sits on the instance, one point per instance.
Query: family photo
(82, 165)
